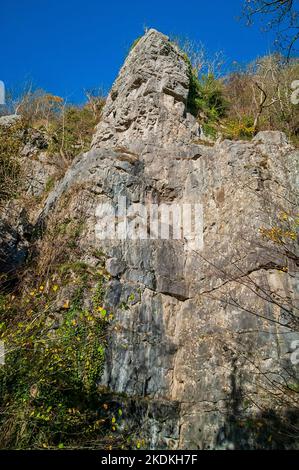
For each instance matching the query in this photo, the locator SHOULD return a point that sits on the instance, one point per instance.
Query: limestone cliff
(199, 350)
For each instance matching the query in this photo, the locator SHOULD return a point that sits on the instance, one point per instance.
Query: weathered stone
(39, 172)
(208, 332)
(114, 267)
(10, 120)
(35, 142)
(15, 233)
(147, 103)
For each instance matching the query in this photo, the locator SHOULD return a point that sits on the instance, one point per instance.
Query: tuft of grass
(135, 42)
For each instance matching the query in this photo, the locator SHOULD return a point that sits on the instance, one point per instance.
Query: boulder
(10, 120)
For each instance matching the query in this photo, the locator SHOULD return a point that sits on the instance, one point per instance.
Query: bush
(248, 99)
(38, 106)
(68, 128)
(206, 102)
(261, 92)
(72, 131)
(10, 145)
(48, 387)
(209, 100)
(242, 128)
(206, 99)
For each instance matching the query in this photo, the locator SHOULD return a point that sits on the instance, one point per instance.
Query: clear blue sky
(65, 46)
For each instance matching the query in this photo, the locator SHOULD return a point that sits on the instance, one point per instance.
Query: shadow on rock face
(14, 247)
(266, 429)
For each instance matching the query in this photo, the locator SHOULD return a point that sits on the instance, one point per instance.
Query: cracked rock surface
(201, 338)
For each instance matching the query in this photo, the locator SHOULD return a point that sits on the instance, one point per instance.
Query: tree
(282, 16)
(260, 98)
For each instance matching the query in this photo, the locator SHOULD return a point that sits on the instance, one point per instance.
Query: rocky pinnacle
(148, 101)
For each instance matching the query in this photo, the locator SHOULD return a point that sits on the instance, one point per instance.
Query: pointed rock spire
(147, 103)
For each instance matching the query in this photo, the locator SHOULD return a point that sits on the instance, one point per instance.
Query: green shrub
(261, 92)
(48, 386)
(39, 106)
(242, 128)
(10, 146)
(72, 131)
(206, 99)
(135, 42)
(68, 128)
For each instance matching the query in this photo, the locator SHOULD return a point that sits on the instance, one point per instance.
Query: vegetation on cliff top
(248, 99)
(65, 130)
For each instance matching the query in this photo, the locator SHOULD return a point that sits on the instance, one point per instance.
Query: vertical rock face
(202, 339)
(147, 103)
